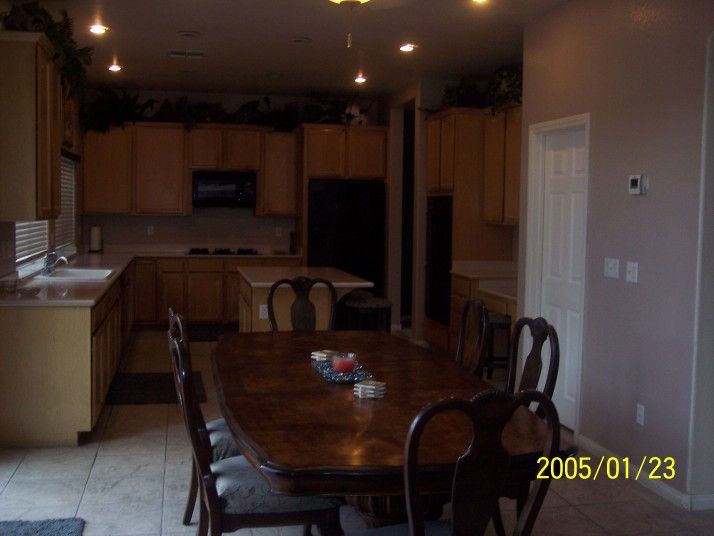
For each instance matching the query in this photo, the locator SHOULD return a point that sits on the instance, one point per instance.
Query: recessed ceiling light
(360, 78)
(480, 1)
(408, 47)
(349, 1)
(114, 67)
(98, 29)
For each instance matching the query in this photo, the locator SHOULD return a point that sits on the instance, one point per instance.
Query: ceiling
(249, 46)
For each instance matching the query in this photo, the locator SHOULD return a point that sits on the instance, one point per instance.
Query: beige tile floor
(131, 477)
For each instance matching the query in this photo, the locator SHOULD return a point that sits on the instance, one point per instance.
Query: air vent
(183, 54)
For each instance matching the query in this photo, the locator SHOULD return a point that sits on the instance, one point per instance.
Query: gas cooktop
(223, 251)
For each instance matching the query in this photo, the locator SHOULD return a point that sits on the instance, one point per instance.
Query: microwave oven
(224, 189)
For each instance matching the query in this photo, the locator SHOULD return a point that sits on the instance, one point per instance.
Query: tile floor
(131, 477)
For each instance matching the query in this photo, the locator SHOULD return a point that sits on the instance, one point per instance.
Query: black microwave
(224, 189)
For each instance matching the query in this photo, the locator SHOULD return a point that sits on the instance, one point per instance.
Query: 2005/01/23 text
(610, 467)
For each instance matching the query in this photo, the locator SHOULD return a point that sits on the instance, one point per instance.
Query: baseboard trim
(667, 492)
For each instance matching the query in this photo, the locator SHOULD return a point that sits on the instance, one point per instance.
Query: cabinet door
(367, 153)
(159, 175)
(512, 173)
(127, 303)
(277, 189)
(99, 349)
(172, 293)
(448, 144)
(246, 322)
(242, 149)
(493, 166)
(107, 171)
(325, 152)
(145, 297)
(49, 135)
(205, 297)
(204, 148)
(433, 155)
(232, 299)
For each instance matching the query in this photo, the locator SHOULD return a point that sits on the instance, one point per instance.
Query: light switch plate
(640, 417)
(263, 311)
(631, 271)
(612, 268)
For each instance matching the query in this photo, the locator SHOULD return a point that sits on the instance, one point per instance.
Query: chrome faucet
(51, 262)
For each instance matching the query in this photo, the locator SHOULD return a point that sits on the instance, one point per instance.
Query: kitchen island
(255, 283)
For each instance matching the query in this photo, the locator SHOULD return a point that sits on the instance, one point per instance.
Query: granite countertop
(265, 276)
(34, 292)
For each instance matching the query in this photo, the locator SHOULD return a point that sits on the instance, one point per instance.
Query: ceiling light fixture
(98, 29)
(480, 1)
(348, 2)
(360, 78)
(114, 67)
(408, 47)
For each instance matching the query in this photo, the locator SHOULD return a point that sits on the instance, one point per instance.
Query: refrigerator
(438, 258)
(346, 227)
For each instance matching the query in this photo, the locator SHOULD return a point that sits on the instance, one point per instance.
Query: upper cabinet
(235, 148)
(502, 166)
(441, 155)
(335, 151)
(30, 128)
(277, 184)
(159, 169)
(108, 171)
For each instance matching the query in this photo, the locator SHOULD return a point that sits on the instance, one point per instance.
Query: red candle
(342, 363)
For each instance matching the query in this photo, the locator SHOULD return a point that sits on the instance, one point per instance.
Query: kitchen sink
(76, 274)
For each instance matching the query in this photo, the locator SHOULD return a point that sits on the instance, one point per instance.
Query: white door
(565, 182)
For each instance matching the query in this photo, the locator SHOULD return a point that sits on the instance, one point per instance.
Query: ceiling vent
(183, 54)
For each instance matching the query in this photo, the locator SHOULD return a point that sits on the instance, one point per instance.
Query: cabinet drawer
(460, 286)
(170, 265)
(205, 265)
(102, 309)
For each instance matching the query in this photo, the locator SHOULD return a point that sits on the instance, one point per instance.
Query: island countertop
(265, 276)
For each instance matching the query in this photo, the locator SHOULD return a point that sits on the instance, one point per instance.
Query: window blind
(65, 224)
(31, 239)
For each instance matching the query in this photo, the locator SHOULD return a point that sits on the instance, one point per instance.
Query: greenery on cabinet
(503, 89)
(107, 107)
(73, 60)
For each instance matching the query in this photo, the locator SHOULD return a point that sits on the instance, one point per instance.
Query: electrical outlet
(150, 230)
(631, 271)
(612, 268)
(640, 418)
(263, 311)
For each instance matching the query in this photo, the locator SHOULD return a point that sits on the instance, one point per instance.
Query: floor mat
(49, 527)
(148, 388)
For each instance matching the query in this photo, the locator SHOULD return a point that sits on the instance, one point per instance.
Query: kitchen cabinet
(502, 166)
(441, 156)
(159, 170)
(205, 290)
(204, 148)
(433, 155)
(107, 166)
(232, 306)
(366, 152)
(30, 128)
(106, 354)
(235, 148)
(145, 297)
(277, 183)
(171, 287)
(127, 303)
(325, 153)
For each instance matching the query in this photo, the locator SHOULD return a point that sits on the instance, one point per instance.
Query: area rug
(49, 527)
(148, 388)
(208, 332)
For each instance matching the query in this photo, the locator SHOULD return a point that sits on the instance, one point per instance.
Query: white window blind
(65, 224)
(31, 239)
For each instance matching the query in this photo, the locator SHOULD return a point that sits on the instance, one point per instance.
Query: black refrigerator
(438, 258)
(346, 227)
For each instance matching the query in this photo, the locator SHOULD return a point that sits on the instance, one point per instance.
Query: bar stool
(366, 312)
(494, 323)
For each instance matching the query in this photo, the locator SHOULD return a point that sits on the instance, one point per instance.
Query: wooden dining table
(308, 436)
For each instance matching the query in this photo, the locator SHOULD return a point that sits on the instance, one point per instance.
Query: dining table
(306, 435)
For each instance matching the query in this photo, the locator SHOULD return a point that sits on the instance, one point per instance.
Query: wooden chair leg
(202, 529)
(191, 500)
(498, 522)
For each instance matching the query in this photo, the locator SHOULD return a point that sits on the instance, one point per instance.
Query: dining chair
(233, 495)
(481, 471)
(471, 347)
(302, 310)
(219, 435)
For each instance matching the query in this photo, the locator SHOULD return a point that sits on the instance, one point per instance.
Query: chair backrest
(541, 332)
(302, 310)
(471, 348)
(482, 471)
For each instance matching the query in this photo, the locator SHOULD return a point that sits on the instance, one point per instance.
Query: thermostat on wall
(637, 185)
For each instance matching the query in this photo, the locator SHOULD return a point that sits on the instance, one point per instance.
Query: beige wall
(638, 68)
(207, 227)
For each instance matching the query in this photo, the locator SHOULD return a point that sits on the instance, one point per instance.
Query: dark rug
(50, 527)
(148, 388)
(208, 332)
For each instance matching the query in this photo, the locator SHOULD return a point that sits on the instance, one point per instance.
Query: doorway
(556, 245)
(407, 240)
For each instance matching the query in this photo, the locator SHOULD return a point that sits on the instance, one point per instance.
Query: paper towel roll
(95, 238)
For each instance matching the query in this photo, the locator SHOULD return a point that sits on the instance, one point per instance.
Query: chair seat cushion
(432, 528)
(242, 490)
(222, 444)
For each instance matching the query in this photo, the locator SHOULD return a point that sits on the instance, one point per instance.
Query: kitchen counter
(265, 276)
(34, 292)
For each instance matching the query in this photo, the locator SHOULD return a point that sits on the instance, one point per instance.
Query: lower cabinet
(171, 287)
(145, 298)
(232, 306)
(205, 297)
(106, 353)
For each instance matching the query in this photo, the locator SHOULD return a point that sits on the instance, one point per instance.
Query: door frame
(535, 222)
